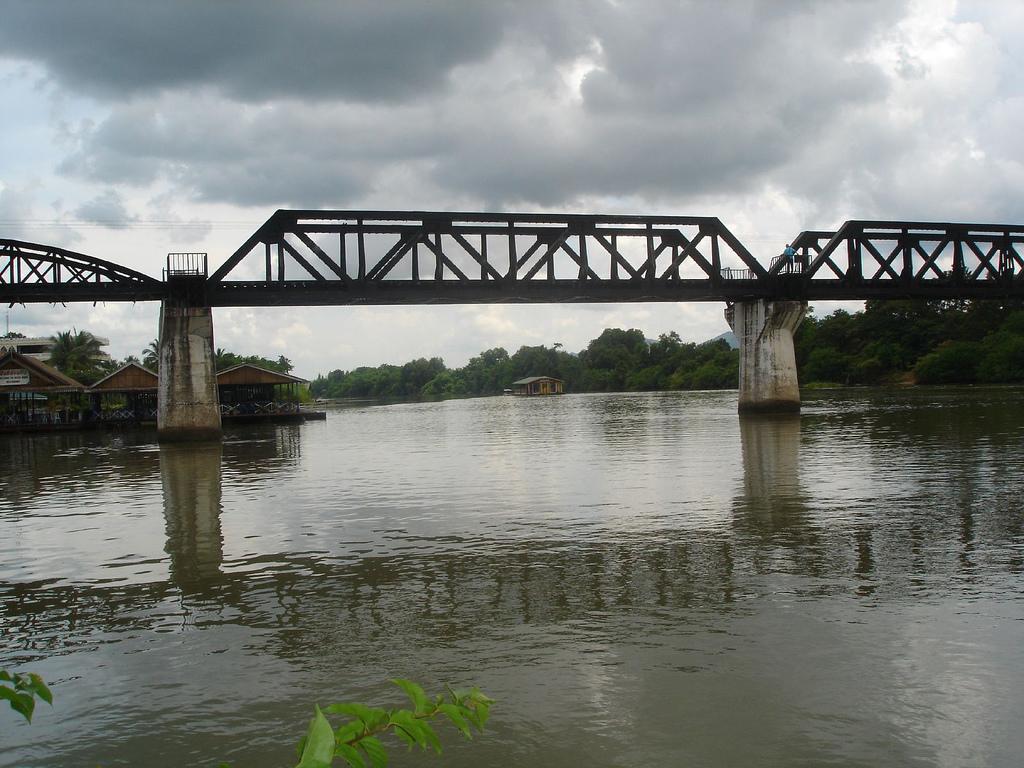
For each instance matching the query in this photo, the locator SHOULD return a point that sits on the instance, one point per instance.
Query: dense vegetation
(616, 360)
(80, 355)
(223, 360)
(936, 342)
(888, 342)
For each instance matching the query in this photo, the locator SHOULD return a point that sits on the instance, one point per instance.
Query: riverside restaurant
(251, 393)
(35, 396)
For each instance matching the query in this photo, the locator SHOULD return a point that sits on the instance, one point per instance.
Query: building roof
(247, 373)
(531, 379)
(130, 377)
(41, 377)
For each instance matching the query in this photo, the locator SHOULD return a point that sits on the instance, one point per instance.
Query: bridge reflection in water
(793, 574)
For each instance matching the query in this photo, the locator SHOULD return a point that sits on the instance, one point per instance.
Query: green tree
(611, 357)
(1003, 361)
(827, 364)
(151, 355)
(955, 362)
(79, 354)
(222, 359)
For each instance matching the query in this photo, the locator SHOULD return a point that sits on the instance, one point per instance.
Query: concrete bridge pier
(188, 407)
(764, 329)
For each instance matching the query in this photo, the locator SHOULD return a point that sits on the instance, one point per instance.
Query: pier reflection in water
(191, 480)
(638, 579)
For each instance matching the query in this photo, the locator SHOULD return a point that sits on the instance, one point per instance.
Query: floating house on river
(538, 385)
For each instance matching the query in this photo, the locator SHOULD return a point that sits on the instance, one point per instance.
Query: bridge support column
(188, 407)
(764, 329)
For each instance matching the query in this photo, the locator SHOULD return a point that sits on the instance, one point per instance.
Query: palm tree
(79, 354)
(151, 355)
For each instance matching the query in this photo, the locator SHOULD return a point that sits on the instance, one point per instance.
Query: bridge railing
(730, 273)
(186, 265)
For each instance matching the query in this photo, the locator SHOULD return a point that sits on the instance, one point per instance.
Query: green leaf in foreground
(22, 692)
(318, 748)
(356, 740)
(417, 696)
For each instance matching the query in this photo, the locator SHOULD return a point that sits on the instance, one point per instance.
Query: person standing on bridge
(789, 257)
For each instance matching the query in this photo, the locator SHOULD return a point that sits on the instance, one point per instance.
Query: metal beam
(540, 258)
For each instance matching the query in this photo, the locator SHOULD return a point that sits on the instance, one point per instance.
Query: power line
(130, 223)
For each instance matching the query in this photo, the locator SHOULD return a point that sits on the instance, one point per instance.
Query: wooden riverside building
(249, 393)
(35, 396)
(538, 385)
(126, 395)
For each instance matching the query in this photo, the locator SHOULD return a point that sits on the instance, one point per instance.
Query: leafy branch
(20, 691)
(356, 740)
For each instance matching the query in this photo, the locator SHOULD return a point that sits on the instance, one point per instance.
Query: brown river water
(638, 579)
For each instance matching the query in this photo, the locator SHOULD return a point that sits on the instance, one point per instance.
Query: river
(638, 579)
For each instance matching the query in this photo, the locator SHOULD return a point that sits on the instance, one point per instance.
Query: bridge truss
(300, 258)
(384, 257)
(888, 259)
(41, 273)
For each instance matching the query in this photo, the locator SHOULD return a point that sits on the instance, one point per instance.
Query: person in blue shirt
(789, 257)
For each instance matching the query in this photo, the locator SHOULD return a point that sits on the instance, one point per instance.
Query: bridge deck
(387, 257)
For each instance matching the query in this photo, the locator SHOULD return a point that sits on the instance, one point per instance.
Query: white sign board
(13, 377)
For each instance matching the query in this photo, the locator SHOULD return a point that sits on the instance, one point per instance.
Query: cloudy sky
(134, 128)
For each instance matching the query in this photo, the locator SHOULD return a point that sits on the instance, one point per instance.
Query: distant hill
(730, 339)
(728, 336)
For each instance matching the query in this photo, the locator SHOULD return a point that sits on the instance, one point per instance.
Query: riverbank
(891, 343)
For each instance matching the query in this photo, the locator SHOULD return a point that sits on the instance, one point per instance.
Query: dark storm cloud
(255, 50)
(280, 154)
(785, 58)
(687, 99)
(516, 105)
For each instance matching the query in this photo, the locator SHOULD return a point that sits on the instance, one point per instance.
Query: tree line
(888, 342)
(80, 355)
(617, 360)
(914, 342)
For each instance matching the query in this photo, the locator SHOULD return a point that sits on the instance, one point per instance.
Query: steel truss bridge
(311, 257)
